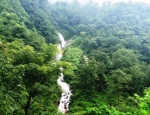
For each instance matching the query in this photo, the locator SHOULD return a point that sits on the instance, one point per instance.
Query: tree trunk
(27, 105)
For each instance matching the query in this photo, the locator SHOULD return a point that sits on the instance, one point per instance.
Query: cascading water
(60, 46)
(63, 42)
(66, 92)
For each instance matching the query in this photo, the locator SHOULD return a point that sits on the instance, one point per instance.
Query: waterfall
(66, 92)
(63, 42)
(59, 55)
(60, 46)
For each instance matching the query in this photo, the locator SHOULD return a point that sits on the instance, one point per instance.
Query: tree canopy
(106, 60)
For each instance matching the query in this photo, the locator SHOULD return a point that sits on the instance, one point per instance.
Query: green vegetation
(116, 41)
(114, 79)
(27, 73)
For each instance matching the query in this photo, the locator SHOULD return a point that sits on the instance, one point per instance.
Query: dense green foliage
(27, 73)
(40, 19)
(107, 63)
(26, 78)
(116, 41)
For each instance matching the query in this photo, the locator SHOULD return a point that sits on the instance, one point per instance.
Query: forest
(114, 79)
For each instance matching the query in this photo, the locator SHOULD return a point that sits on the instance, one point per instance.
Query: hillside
(27, 76)
(107, 62)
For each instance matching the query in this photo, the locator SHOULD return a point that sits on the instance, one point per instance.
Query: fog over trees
(100, 2)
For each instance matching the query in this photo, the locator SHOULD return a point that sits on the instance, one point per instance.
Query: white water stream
(66, 92)
(60, 46)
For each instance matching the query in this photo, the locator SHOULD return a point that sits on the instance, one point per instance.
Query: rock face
(66, 92)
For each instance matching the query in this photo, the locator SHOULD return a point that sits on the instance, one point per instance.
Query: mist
(83, 2)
